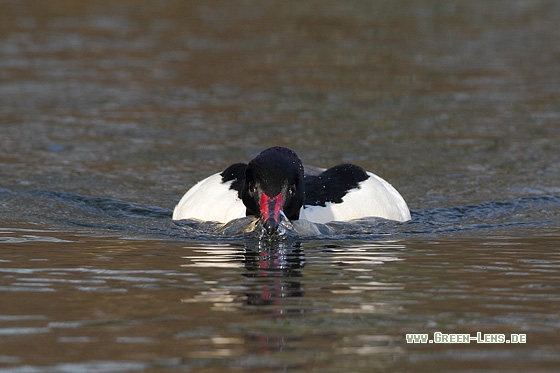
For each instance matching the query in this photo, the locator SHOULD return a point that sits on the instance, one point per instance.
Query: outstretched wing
(346, 192)
(215, 198)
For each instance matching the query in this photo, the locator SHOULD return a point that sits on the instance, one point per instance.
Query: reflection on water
(272, 272)
(273, 269)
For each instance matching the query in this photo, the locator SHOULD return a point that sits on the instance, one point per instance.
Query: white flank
(210, 200)
(375, 197)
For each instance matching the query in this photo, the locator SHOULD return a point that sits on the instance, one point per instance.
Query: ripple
(108, 366)
(27, 289)
(22, 331)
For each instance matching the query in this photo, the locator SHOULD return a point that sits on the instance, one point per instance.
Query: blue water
(131, 219)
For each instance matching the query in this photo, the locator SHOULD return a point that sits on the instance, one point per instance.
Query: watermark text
(438, 337)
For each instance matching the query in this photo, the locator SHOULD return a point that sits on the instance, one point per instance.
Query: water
(109, 112)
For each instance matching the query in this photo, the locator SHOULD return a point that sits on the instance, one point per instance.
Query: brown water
(109, 111)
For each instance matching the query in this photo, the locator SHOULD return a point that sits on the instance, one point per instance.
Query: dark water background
(109, 111)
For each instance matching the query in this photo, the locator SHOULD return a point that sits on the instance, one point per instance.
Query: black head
(274, 185)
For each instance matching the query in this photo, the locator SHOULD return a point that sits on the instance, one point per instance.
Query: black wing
(235, 172)
(332, 184)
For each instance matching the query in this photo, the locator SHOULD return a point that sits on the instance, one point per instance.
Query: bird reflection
(274, 267)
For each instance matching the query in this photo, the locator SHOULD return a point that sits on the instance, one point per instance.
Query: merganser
(275, 185)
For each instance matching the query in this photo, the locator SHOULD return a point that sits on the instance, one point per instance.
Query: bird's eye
(292, 190)
(252, 188)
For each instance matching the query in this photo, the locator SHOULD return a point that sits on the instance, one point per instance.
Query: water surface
(110, 112)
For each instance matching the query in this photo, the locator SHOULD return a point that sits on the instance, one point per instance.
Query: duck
(275, 185)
